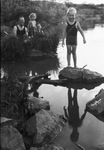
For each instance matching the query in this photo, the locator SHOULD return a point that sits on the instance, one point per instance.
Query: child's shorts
(71, 40)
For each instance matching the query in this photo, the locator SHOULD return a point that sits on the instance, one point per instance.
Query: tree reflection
(39, 66)
(72, 114)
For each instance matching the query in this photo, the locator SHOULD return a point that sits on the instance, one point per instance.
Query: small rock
(100, 147)
(36, 104)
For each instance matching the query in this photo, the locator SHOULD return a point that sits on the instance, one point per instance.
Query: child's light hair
(71, 10)
(32, 14)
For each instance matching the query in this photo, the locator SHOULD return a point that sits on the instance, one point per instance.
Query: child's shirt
(32, 24)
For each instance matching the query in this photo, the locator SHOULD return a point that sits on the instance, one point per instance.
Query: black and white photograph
(52, 75)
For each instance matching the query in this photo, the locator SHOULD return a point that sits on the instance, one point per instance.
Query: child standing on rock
(71, 28)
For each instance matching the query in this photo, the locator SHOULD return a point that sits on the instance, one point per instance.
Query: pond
(90, 131)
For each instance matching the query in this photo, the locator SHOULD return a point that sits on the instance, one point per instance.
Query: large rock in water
(80, 75)
(96, 105)
(44, 126)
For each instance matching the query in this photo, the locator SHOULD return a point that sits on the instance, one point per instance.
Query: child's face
(71, 17)
(33, 17)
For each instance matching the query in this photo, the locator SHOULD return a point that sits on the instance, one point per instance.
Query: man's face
(21, 21)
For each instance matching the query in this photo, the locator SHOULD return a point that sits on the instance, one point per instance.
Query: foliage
(45, 43)
(50, 12)
(49, 15)
(13, 97)
(12, 49)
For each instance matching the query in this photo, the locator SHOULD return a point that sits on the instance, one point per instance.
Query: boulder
(96, 105)
(100, 147)
(50, 147)
(11, 139)
(80, 75)
(35, 104)
(45, 125)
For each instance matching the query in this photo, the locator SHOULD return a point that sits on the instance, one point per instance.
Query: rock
(49, 147)
(80, 74)
(34, 148)
(53, 147)
(100, 147)
(11, 139)
(45, 125)
(96, 105)
(36, 104)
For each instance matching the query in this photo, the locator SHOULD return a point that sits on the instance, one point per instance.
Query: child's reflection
(72, 115)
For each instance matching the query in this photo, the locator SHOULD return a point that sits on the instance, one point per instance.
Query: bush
(12, 48)
(13, 97)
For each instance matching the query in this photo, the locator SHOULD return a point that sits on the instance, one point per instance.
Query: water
(91, 132)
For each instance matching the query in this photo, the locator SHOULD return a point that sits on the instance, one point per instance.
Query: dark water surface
(87, 131)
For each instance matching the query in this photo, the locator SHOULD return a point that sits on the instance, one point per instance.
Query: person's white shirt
(33, 23)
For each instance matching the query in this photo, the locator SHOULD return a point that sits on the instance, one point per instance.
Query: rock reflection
(72, 114)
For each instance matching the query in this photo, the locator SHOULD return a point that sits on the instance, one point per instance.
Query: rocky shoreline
(38, 130)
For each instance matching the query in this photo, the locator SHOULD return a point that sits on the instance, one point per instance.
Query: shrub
(13, 97)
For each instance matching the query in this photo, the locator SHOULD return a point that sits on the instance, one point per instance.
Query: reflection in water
(32, 68)
(73, 115)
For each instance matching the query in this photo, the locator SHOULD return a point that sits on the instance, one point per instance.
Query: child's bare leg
(74, 55)
(68, 54)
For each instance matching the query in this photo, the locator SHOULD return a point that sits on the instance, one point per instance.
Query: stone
(48, 147)
(96, 105)
(36, 104)
(11, 139)
(45, 125)
(80, 74)
(100, 147)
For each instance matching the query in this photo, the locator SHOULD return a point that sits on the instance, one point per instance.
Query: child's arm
(81, 32)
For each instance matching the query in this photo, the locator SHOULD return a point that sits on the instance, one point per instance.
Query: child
(20, 30)
(72, 26)
(32, 28)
